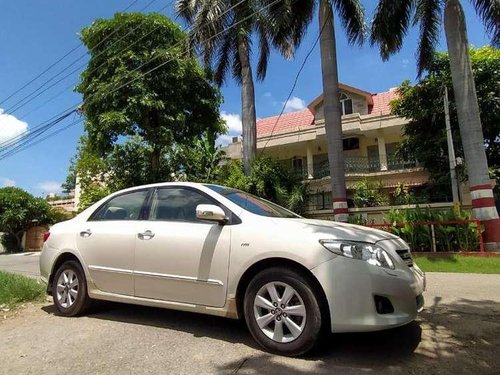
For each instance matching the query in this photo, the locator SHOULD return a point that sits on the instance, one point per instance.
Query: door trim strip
(178, 278)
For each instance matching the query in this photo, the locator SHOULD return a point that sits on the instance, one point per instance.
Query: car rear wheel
(282, 311)
(69, 289)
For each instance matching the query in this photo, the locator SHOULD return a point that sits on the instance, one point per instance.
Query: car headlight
(368, 252)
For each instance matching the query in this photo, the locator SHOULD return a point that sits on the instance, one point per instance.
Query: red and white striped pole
(340, 210)
(484, 209)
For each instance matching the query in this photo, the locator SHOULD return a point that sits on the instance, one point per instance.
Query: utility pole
(451, 151)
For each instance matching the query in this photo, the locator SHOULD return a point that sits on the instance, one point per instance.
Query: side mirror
(210, 212)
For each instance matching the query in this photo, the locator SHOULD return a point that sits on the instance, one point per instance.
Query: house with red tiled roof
(371, 136)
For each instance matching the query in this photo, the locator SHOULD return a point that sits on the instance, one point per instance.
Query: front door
(179, 257)
(107, 242)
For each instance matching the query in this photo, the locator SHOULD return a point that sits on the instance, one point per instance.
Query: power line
(12, 142)
(19, 146)
(53, 64)
(19, 104)
(294, 84)
(32, 143)
(74, 108)
(81, 66)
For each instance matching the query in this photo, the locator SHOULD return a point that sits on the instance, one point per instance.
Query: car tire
(69, 289)
(291, 326)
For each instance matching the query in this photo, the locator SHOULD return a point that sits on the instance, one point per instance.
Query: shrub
(269, 180)
(448, 237)
(369, 194)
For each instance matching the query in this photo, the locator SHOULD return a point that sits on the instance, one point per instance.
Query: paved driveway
(459, 332)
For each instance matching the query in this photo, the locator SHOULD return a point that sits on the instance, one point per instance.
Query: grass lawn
(456, 263)
(16, 289)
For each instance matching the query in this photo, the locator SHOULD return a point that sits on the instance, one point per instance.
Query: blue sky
(34, 34)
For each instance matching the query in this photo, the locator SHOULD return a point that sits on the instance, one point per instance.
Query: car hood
(342, 231)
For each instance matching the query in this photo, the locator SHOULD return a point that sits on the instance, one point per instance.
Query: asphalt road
(23, 263)
(458, 332)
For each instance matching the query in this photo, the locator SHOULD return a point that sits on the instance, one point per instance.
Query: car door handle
(146, 235)
(85, 233)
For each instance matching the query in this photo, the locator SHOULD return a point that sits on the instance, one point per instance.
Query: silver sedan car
(221, 251)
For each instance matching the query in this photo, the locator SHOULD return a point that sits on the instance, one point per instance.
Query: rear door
(179, 257)
(107, 241)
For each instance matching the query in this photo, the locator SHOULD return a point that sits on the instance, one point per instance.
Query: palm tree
(389, 35)
(295, 15)
(230, 51)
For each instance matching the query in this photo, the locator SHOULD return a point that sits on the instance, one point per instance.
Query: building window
(351, 144)
(345, 104)
(298, 165)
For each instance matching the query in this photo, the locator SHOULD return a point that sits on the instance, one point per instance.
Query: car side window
(123, 207)
(176, 204)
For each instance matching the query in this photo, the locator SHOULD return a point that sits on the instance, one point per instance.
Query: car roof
(162, 184)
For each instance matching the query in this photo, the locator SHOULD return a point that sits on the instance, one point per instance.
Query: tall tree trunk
(155, 164)
(471, 132)
(333, 119)
(248, 117)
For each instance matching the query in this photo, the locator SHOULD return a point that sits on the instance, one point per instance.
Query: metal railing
(363, 164)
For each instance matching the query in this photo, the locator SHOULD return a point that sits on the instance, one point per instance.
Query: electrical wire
(293, 85)
(32, 143)
(31, 96)
(83, 65)
(74, 108)
(52, 65)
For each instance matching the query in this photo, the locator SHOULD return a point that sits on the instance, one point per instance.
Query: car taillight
(46, 236)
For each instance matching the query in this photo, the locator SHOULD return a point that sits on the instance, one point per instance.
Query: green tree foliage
(425, 135)
(141, 83)
(369, 194)
(20, 211)
(268, 179)
(128, 164)
(93, 173)
(70, 182)
(200, 161)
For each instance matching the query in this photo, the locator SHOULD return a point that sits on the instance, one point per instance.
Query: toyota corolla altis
(220, 251)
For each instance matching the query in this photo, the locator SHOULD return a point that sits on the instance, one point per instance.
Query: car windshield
(252, 203)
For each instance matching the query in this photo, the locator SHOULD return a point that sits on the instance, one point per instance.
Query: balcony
(365, 165)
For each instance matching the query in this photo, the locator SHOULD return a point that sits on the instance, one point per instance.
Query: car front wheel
(282, 311)
(69, 289)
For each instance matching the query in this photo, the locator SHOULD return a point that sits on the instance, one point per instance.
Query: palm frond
(264, 52)
(428, 15)
(224, 58)
(489, 11)
(236, 66)
(186, 9)
(352, 17)
(287, 22)
(390, 25)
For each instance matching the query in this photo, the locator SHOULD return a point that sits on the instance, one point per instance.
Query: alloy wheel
(280, 312)
(67, 288)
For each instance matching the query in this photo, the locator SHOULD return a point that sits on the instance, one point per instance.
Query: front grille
(405, 255)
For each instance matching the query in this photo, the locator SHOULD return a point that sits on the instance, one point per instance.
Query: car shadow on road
(199, 325)
(447, 338)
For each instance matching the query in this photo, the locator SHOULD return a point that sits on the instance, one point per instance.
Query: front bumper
(351, 286)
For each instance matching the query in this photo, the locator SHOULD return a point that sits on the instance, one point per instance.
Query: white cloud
(233, 122)
(294, 104)
(4, 181)
(10, 126)
(49, 187)
(224, 140)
